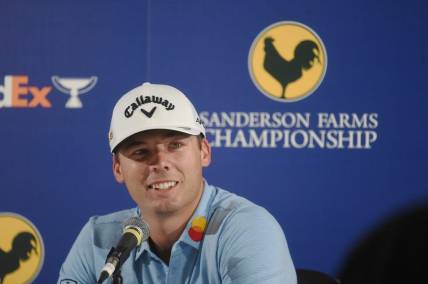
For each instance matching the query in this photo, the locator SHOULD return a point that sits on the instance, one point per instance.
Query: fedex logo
(17, 93)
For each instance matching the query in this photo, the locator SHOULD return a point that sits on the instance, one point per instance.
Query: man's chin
(165, 209)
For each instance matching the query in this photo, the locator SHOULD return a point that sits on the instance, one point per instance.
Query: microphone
(135, 231)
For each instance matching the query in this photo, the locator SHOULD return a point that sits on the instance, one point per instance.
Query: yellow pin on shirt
(197, 229)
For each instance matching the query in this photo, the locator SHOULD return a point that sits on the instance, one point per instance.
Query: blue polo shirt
(228, 240)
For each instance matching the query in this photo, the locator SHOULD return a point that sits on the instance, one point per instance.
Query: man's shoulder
(232, 203)
(114, 217)
(107, 229)
(233, 210)
(244, 236)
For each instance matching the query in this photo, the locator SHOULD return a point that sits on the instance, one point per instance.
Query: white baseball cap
(153, 106)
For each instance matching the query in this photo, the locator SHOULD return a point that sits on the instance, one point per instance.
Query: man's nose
(159, 161)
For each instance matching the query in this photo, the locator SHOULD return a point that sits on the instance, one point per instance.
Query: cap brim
(186, 130)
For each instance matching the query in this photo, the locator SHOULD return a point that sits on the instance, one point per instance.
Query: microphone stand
(117, 278)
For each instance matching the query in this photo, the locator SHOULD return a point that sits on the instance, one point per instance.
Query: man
(198, 233)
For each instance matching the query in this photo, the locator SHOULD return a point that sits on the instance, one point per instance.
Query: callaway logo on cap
(153, 106)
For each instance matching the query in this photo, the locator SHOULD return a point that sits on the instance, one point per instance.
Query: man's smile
(163, 185)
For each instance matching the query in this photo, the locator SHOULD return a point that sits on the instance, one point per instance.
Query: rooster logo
(287, 61)
(21, 249)
(284, 71)
(22, 246)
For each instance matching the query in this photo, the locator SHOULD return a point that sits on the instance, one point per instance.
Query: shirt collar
(194, 231)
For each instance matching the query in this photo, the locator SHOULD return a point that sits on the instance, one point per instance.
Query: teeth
(163, 185)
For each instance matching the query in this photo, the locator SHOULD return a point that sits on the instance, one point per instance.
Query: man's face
(162, 170)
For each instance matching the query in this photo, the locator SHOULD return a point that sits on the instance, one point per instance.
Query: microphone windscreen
(140, 224)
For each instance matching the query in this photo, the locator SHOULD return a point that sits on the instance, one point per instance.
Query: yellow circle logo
(287, 61)
(196, 231)
(21, 250)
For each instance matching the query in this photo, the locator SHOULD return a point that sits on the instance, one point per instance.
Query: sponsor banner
(287, 62)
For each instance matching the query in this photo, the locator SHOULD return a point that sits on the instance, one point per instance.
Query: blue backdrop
(55, 162)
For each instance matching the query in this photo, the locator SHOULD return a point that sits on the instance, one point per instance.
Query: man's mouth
(162, 185)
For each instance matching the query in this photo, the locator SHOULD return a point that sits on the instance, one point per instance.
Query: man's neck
(165, 230)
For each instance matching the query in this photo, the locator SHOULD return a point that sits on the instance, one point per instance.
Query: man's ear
(205, 153)
(117, 170)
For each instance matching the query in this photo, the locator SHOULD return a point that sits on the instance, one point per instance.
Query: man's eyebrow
(141, 141)
(134, 143)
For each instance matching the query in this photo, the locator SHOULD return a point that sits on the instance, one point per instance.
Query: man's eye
(140, 152)
(175, 145)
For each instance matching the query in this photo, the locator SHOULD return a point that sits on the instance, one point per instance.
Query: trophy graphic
(74, 87)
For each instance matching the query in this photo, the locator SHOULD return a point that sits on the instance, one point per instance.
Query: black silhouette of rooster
(22, 246)
(285, 71)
